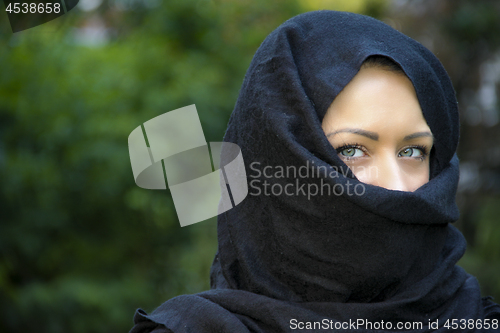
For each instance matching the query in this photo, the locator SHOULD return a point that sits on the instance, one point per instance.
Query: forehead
(377, 98)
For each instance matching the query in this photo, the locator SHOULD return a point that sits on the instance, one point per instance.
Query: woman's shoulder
(142, 324)
(198, 312)
(491, 309)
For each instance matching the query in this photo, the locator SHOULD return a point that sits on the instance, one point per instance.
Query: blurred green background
(81, 246)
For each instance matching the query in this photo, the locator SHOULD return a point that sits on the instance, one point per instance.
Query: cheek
(415, 183)
(417, 176)
(365, 172)
(405, 175)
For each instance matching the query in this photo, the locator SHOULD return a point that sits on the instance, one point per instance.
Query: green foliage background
(81, 246)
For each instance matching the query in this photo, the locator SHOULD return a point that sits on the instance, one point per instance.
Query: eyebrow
(374, 136)
(368, 134)
(418, 135)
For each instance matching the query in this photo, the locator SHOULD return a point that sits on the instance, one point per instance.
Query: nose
(388, 174)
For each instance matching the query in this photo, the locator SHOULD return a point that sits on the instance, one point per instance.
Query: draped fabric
(310, 246)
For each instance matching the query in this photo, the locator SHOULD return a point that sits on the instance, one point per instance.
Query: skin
(378, 129)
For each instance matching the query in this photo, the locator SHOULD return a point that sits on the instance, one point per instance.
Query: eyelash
(423, 149)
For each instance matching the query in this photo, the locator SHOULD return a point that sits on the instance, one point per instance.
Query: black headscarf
(357, 252)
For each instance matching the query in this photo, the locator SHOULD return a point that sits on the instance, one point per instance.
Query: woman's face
(378, 129)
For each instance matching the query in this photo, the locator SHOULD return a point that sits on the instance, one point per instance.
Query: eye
(411, 152)
(351, 152)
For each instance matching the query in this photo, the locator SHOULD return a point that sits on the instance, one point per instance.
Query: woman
(348, 130)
